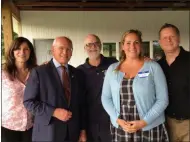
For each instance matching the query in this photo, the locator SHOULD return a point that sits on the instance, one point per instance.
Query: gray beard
(93, 57)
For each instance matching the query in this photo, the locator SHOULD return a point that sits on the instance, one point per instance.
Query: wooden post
(7, 25)
(9, 10)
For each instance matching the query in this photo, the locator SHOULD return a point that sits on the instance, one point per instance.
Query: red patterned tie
(66, 84)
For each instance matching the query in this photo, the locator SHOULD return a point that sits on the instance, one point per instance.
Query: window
(157, 51)
(43, 49)
(146, 48)
(109, 49)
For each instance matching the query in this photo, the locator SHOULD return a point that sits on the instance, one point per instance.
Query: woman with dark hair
(17, 122)
(135, 95)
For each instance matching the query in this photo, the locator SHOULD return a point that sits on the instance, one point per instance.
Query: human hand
(82, 137)
(62, 114)
(124, 124)
(147, 59)
(44, 63)
(135, 125)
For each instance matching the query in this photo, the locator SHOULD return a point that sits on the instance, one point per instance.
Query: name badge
(143, 74)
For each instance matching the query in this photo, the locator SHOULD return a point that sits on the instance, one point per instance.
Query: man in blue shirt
(98, 121)
(54, 94)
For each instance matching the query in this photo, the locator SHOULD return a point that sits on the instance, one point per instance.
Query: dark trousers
(67, 138)
(16, 136)
(98, 133)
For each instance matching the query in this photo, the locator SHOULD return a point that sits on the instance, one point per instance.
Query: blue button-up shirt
(59, 68)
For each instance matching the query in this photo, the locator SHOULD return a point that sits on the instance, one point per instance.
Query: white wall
(109, 26)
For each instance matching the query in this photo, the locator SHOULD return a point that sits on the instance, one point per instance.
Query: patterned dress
(129, 112)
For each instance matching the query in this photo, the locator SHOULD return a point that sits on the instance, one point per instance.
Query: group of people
(132, 100)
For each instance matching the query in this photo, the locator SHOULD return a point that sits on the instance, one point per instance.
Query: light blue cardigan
(150, 93)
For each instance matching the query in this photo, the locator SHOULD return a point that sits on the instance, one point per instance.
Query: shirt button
(97, 73)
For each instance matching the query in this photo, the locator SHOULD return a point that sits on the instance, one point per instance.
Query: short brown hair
(166, 25)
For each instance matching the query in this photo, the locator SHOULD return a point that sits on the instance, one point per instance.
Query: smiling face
(22, 53)
(62, 50)
(169, 40)
(132, 45)
(92, 46)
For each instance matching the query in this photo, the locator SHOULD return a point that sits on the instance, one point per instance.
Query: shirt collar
(181, 53)
(57, 64)
(87, 65)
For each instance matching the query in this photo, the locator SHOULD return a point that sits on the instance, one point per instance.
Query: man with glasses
(98, 121)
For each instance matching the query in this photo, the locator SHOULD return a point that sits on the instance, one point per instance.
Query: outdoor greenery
(15, 35)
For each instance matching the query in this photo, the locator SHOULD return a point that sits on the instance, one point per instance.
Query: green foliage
(15, 35)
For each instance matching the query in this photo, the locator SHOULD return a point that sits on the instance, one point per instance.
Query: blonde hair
(123, 56)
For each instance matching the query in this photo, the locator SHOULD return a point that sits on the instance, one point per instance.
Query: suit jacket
(44, 93)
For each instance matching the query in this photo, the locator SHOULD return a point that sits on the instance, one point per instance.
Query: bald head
(91, 38)
(60, 40)
(62, 49)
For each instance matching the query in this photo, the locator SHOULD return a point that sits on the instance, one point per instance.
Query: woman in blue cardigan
(135, 95)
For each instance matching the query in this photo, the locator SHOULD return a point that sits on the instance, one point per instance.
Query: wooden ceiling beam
(14, 9)
(98, 4)
(98, 9)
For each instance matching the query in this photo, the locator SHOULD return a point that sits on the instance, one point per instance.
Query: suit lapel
(71, 72)
(72, 78)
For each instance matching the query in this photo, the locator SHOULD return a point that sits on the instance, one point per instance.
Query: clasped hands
(131, 126)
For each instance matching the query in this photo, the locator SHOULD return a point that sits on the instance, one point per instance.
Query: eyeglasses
(97, 44)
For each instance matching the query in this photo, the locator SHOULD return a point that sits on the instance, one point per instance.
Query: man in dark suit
(98, 121)
(54, 94)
